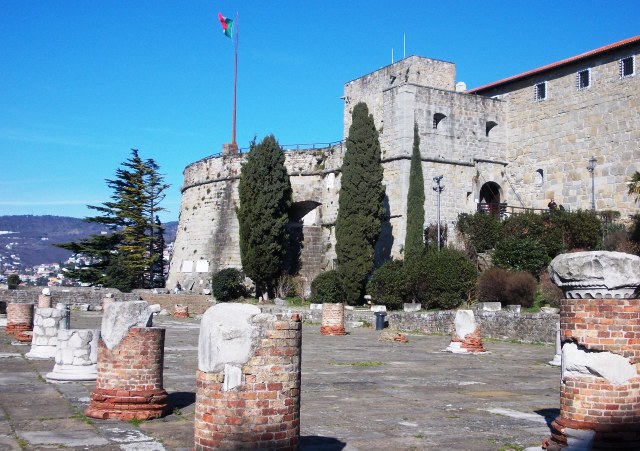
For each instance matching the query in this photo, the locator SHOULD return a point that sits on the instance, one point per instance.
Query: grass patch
(82, 417)
(511, 447)
(135, 422)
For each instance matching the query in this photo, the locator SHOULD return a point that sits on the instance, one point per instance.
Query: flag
(227, 25)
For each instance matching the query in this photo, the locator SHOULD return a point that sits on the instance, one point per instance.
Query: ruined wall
(560, 134)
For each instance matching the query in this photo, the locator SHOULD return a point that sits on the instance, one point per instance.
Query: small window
(540, 91)
(583, 79)
(489, 126)
(437, 118)
(627, 67)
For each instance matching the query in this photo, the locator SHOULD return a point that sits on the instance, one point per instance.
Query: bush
(388, 285)
(548, 292)
(520, 289)
(507, 287)
(226, 285)
(13, 281)
(521, 254)
(442, 279)
(491, 285)
(327, 287)
(583, 230)
(480, 231)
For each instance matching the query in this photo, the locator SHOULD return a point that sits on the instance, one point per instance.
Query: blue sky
(83, 82)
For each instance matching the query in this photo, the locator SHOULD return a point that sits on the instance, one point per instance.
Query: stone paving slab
(358, 393)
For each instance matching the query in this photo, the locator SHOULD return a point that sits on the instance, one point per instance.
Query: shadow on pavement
(181, 399)
(319, 443)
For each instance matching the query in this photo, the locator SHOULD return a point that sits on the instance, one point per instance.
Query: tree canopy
(129, 257)
(263, 215)
(413, 242)
(360, 204)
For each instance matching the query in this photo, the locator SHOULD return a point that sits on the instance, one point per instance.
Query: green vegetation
(388, 285)
(413, 242)
(265, 198)
(13, 280)
(327, 287)
(507, 287)
(226, 284)
(360, 204)
(131, 256)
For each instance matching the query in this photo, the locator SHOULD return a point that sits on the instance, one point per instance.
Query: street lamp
(438, 189)
(591, 168)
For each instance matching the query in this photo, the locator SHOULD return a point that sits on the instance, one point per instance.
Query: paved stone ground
(358, 393)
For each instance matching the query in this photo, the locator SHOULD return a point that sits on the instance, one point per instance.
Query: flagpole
(235, 85)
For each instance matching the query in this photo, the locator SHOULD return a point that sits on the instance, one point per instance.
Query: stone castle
(569, 131)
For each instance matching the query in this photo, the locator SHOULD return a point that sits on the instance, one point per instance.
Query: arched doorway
(490, 199)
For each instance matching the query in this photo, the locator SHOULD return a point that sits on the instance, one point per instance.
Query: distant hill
(29, 240)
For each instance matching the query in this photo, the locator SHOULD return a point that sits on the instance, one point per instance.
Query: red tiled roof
(563, 62)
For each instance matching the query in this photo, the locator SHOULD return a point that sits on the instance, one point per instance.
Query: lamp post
(591, 168)
(438, 189)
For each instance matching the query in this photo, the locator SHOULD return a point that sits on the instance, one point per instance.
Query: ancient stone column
(76, 355)
(557, 358)
(20, 320)
(46, 324)
(107, 300)
(44, 299)
(600, 334)
(129, 383)
(466, 336)
(332, 319)
(248, 380)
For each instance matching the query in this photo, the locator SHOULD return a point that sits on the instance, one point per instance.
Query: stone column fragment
(248, 380)
(600, 385)
(20, 320)
(76, 355)
(466, 336)
(129, 383)
(332, 319)
(46, 324)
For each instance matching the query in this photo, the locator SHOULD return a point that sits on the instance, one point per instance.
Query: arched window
(437, 118)
(490, 126)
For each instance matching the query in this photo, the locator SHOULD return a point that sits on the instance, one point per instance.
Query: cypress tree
(413, 244)
(263, 215)
(360, 204)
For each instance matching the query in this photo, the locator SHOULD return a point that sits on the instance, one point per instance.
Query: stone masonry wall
(560, 134)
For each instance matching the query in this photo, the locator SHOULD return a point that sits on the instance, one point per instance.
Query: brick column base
(332, 319)
(129, 383)
(263, 412)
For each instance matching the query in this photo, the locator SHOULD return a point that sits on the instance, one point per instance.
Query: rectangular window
(583, 79)
(540, 91)
(627, 67)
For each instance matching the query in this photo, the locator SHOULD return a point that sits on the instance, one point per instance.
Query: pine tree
(413, 244)
(360, 204)
(265, 198)
(125, 259)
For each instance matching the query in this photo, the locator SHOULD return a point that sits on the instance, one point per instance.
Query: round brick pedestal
(20, 320)
(129, 382)
(255, 405)
(332, 319)
(181, 311)
(44, 301)
(600, 410)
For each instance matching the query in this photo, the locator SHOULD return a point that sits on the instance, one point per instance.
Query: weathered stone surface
(120, 317)
(596, 274)
(616, 369)
(228, 335)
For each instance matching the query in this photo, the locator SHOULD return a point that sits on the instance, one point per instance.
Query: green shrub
(226, 284)
(388, 285)
(13, 281)
(327, 287)
(442, 279)
(480, 231)
(583, 230)
(521, 254)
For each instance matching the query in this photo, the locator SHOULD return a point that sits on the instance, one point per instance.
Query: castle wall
(207, 239)
(560, 134)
